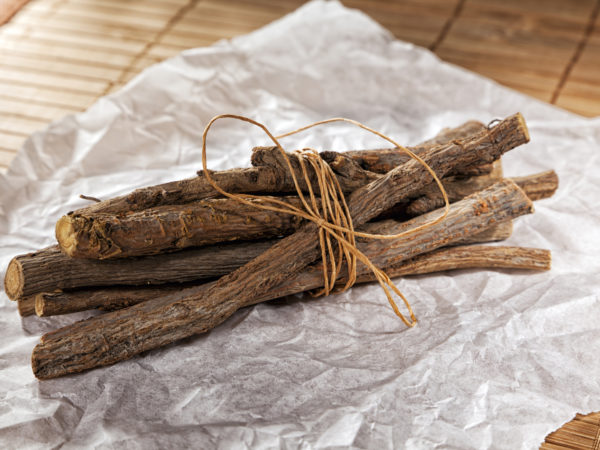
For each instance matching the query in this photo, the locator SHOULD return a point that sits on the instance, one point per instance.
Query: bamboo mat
(58, 56)
(582, 433)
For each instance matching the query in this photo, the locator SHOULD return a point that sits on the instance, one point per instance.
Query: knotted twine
(332, 216)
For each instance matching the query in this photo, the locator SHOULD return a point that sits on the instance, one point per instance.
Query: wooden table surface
(59, 56)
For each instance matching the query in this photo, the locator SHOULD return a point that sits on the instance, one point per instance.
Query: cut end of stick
(13, 280)
(533, 258)
(66, 236)
(39, 304)
(529, 203)
(523, 126)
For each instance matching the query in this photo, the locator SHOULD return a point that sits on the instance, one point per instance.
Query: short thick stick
(122, 334)
(111, 298)
(171, 227)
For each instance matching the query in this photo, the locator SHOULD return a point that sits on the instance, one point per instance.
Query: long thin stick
(463, 257)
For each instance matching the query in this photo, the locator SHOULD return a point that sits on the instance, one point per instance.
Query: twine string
(90, 198)
(331, 214)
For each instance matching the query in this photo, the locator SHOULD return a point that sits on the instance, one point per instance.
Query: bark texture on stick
(456, 188)
(48, 270)
(385, 159)
(539, 186)
(169, 228)
(122, 334)
(257, 180)
(173, 227)
(474, 257)
(498, 232)
(205, 222)
(111, 298)
(452, 258)
(26, 306)
(108, 298)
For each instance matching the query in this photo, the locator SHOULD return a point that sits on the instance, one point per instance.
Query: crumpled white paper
(499, 358)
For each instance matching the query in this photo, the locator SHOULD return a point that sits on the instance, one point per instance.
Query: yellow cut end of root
(39, 305)
(65, 235)
(13, 280)
(523, 126)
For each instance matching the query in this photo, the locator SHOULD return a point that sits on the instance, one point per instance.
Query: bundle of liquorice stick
(177, 259)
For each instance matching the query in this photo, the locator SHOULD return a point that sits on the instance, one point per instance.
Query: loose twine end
(90, 198)
(493, 122)
(331, 214)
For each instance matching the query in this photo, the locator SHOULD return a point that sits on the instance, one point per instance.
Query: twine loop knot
(329, 212)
